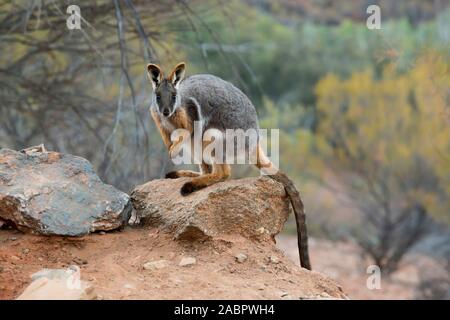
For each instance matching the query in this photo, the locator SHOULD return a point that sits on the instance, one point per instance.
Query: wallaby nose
(166, 112)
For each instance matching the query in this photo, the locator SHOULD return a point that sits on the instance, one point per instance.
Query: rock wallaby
(178, 103)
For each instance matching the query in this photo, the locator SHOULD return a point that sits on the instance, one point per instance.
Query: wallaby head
(165, 90)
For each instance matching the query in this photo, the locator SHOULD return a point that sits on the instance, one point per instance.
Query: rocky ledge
(255, 208)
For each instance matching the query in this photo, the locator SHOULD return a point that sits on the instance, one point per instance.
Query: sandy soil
(113, 264)
(342, 262)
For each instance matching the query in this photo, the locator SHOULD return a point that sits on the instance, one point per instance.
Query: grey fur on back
(222, 105)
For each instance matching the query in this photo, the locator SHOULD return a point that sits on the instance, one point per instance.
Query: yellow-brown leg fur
(262, 161)
(182, 173)
(220, 172)
(205, 168)
(165, 135)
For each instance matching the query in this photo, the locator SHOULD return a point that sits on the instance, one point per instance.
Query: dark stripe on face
(166, 97)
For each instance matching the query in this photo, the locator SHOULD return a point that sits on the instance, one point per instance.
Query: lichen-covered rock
(57, 194)
(254, 208)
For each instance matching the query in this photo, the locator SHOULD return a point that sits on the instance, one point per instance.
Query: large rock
(57, 194)
(252, 207)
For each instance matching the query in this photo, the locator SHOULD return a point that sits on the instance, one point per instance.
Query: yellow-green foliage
(393, 131)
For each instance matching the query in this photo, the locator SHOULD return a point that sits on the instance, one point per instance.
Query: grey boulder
(57, 194)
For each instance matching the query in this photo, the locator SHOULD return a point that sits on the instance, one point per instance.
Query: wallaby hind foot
(220, 172)
(182, 173)
(204, 169)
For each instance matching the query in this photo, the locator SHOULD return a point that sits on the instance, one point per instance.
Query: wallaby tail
(300, 218)
(297, 206)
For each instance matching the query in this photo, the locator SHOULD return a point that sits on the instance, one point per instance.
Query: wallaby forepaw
(172, 175)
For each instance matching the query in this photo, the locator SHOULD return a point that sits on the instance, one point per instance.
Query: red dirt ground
(113, 264)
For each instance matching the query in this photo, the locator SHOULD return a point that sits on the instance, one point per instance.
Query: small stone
(187, 261)
(80, 261)
(274, 259)
(102, 233)
(26, 250)
(241, 258)
(40, 259)
(284, 294)
(13, 238)
(153, 265)
(154, 234)
(15, 258)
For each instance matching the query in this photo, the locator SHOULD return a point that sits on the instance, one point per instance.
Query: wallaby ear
(177, 74)
(155, 74)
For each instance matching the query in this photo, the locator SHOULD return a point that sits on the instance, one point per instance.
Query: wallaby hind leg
(219, 173)
(204, 169)
(182, 173)
(263, 162)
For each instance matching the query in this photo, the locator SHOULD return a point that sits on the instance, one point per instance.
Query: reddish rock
(252, 207)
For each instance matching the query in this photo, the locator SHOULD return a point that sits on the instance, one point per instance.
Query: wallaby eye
(158, 98)
(174, 98)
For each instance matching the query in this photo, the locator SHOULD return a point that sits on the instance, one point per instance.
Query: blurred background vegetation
(364, 114)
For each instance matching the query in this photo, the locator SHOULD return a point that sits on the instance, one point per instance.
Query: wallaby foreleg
(165, 135)
(205, 168)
